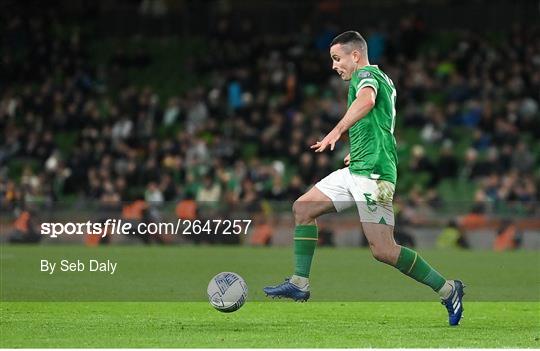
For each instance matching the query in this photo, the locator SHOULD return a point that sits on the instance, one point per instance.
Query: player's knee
(378, 254)
(383, 254)
(301, 212)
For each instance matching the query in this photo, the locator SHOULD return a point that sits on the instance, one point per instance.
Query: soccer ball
(227, 292)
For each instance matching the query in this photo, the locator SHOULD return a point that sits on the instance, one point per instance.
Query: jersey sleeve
(366, 79)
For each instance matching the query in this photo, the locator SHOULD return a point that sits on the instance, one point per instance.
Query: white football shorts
(372, 197)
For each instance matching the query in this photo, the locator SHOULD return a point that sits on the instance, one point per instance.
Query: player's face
(344, 61)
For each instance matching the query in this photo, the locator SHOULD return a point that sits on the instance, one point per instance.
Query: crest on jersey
(364, 74)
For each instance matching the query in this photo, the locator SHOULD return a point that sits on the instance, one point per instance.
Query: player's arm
(364, 102)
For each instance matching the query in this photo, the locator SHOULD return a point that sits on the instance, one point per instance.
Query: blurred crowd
(243, 133)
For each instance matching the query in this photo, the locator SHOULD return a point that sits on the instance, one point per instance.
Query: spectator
(447, 166)
(420, 164)
(509, 236)
(209, 192)
(172, 112)
(452, 236)
(522, 158)
(153, 194)
(24, 231)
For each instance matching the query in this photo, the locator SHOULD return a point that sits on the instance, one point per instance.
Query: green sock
(412, 264)
(305, 241)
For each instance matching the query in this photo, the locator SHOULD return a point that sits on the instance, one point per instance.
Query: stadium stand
(81, 122)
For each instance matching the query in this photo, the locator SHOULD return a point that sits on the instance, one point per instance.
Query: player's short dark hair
(351, 37)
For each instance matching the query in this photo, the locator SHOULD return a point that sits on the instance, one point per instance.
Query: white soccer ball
(227, 292)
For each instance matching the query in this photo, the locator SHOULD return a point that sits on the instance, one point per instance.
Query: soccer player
(368, 180)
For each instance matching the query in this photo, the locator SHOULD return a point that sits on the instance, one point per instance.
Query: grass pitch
(157, 299)
(267, 324)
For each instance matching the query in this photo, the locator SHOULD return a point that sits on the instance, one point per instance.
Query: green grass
(267, 324)
(182, 273)
(157, 299)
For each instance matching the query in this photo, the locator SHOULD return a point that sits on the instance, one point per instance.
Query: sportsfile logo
(121, 227)
(110, 226)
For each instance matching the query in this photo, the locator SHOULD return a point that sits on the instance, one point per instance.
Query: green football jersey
(372, 142)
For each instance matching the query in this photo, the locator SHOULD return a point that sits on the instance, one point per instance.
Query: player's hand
(329, 140)
(347, 159)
